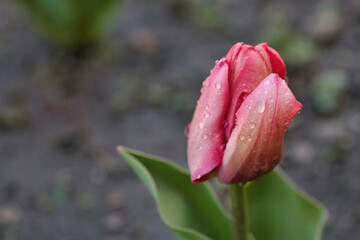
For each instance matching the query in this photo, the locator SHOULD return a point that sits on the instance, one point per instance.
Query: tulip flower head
(245, 107)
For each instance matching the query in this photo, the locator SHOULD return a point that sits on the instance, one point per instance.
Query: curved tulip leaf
(192, 211)
(278, 210)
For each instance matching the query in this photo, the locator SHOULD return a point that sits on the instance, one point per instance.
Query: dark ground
(61, 117)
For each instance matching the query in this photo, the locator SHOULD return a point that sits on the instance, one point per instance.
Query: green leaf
(192, 211)
(278, 210)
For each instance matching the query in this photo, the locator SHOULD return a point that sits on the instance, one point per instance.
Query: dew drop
(249, 138)
(217, 61)
(222, 147)
(241, 137)
(261, 106)
(266, 91)
(200, 147)
(205, 136)
(267, 82)
(218, 85)
(201, 125)
(225, 123)
(287, 94)
(207, 107)
(252, 125)
(207, 115)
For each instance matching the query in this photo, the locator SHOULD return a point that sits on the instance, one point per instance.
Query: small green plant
(72, 23)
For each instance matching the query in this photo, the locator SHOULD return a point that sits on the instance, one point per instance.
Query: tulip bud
(238, 127)
(256, 143)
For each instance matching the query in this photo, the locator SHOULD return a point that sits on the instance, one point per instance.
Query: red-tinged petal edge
(277, 63)
(256, 143)
(206, 139)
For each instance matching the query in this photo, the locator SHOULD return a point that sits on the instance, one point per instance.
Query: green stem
(238, 203)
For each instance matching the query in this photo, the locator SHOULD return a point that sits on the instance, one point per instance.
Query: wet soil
(63, 114)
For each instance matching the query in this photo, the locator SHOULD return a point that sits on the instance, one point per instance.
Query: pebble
(115, 201)
(9, 214)
(144, 42)
(113, 223)
(303, 152)
(326, 25)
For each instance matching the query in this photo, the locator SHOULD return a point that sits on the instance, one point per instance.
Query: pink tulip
(245, 107)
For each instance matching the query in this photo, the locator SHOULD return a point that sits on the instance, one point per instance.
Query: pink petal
(247, 70)
(248, 67)
(206, 132)
(256, 143)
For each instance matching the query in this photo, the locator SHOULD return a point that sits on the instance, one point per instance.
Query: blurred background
(79, 77)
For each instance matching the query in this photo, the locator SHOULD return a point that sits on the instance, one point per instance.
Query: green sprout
(72, 23)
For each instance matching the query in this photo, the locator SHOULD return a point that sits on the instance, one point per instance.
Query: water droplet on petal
(249, 138)
(207, 115)
(218, 85)
(207, 107)
(206, 82)
(205, 136)
(200, 147)
(252, 125)
(222, 147)
(225, 123)
(267, 82)
(201, 125)
(217, 61)
(261, 106)
(241, 137)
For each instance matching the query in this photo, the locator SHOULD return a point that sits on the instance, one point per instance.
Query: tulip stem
(239, 217)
